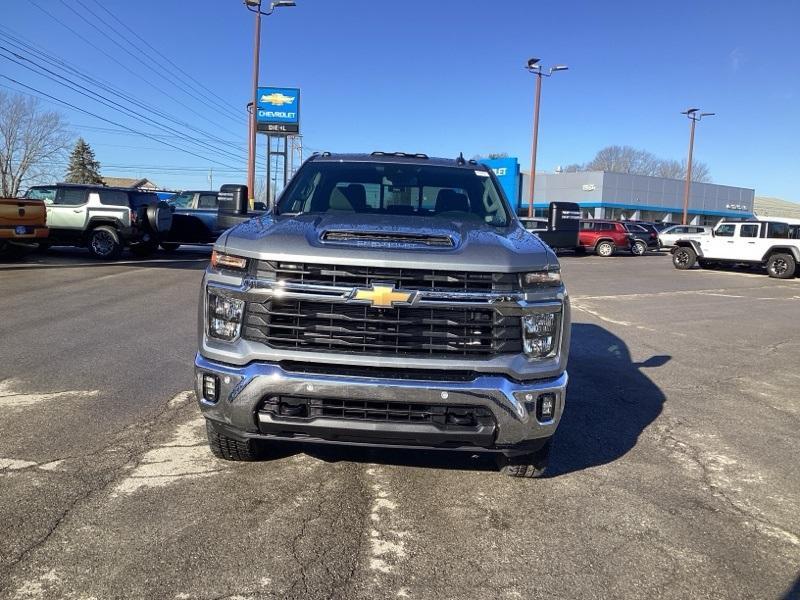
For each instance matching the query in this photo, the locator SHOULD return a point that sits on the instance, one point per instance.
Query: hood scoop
(385, 239)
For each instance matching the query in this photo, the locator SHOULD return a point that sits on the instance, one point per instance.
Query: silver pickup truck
(389, 299)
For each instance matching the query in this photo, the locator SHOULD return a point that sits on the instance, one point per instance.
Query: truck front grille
(441, 415)
(354, 328)
(407, 279)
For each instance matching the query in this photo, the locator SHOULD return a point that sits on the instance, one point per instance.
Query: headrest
(451, 201)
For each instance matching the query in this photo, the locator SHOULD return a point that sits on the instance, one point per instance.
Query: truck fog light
(539, 331)
(210, 387)
(546, 408)
(224, 316)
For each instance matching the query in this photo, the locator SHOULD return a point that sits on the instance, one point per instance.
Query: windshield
(395, 189)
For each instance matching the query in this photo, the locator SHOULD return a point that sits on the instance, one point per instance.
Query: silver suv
(103, 219)
(389, 300)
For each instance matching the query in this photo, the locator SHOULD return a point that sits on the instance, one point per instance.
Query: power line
(171, 75)
(166, 58)
(102, 51)
(56, 62)
(74, 86)
(65, 103)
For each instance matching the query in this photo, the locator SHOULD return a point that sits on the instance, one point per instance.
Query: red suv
(604, 237)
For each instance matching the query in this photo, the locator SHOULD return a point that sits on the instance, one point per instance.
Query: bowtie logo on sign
(277, 99)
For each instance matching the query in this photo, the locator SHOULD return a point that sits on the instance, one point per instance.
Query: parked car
(22, 222)
(605, 237)
(645, 236)
(670, 235)
(103, 219)
(764, 243)
(389, 300)
(196, 218)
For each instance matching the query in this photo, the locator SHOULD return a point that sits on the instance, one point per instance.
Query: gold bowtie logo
(383, 296)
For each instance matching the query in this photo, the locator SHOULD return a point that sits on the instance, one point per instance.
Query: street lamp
(254, 6)
(535, 68)
(694, 115)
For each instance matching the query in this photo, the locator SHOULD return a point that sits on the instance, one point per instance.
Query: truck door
(750, 245)
(67, 213)
(721, 244)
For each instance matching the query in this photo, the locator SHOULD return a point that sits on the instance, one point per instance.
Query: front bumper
(512, 404)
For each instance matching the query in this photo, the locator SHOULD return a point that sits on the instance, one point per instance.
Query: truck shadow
(610, 401)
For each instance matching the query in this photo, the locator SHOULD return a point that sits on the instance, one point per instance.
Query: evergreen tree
(83, 167)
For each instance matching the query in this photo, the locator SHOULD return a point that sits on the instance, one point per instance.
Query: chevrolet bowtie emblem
(383, 296)
(277, 99)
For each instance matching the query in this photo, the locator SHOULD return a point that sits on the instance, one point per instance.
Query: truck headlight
(540, 334)
(541, 278)
(224, 316)
(227, 261)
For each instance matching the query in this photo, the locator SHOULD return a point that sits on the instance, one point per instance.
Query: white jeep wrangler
(774, 243)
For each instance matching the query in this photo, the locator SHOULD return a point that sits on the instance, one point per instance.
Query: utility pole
(254, 6)
(694, 115)
(211, 178)
(535, 68)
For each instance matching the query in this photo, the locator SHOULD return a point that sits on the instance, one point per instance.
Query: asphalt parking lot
(676, 469)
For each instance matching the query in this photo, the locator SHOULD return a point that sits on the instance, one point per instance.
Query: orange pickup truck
(21, 221)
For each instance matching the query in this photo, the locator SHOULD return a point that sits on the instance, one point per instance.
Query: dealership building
(604, 195)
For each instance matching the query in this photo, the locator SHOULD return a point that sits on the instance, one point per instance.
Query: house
(130, 182)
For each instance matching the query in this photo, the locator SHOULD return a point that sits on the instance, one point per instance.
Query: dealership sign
(278, 110)
(507, 172)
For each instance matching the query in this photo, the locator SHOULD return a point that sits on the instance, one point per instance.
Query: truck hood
(389, 241)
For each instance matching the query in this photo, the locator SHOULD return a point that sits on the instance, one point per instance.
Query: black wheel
(604, 248)
(104, 243)
(170, 246)
(684, 258)
(781, 266)
(638, 248)
(528, 466)
(228, 448)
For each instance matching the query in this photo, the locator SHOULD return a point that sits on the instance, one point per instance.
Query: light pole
(694, 115)
(535, 68)
(254, 6)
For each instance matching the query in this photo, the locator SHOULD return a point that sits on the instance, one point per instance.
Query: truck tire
(638, 248)
(103, 243)
(528, 466)
(159, 217)
(604, 248)
(781, 266)
(170, 246)
(228, 448)
(684, 258)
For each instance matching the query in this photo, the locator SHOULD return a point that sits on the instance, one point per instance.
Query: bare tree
(31, 139)
(674, 169)
(623, 159)
(626, 159)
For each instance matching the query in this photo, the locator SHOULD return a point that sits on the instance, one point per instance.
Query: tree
(31, 140)
(83, 167)
(626, 159)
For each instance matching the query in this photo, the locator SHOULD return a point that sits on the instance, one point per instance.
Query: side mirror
(172, 208)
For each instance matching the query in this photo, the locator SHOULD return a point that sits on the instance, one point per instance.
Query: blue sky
(446, 76)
